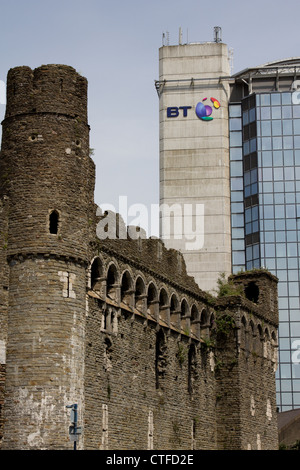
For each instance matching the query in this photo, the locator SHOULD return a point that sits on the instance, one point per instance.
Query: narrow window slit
(53, 222)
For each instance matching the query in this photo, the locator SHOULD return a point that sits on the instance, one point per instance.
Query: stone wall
(203, 380)
(4, 284)
(148, 378)
(45, 352)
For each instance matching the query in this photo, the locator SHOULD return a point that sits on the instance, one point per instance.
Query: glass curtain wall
(265, 201)
(278, 143)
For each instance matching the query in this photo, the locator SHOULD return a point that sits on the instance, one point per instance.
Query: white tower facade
(193, 91)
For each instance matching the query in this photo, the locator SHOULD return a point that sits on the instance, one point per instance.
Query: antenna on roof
(180, 36)
(165, 38)
(230, 58)
(217, 34)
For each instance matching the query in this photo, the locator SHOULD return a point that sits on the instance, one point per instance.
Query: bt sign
(203, 111)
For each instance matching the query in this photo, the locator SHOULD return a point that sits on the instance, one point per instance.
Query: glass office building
(264, 125)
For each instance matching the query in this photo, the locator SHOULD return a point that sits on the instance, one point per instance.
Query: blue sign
(174, 111)
(203, 111)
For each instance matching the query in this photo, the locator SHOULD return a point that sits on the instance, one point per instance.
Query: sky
(115, 45)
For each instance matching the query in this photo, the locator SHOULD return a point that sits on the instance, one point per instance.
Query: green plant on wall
(176, 431)
(207, 343)
(225, 323)
(226, 287)
(182, 353)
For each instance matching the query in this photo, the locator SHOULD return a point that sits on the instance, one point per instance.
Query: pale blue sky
(114, 44)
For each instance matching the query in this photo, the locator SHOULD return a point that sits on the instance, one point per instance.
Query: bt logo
(203, 111)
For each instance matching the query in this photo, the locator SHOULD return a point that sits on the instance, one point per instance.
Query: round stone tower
(48, 177)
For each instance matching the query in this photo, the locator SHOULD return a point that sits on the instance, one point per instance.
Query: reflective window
(235, 110)
(267, 154)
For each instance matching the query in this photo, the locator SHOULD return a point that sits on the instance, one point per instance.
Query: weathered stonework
(114, 325)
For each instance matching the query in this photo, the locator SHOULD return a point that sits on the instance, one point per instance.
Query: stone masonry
(113, 324)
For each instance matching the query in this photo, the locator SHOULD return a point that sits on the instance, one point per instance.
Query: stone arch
(267, 344)
(112, 282)
(212, 322)
(204, 324)
(274, 348)
(140, 294)
(260, 339)
(95, 274)
(152, 300)
(252, 336)
(174, 311)
(195, 321)
(127, 288)
(185, 316)
(164, 306)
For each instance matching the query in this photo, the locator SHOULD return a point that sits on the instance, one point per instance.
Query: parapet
(53, 88)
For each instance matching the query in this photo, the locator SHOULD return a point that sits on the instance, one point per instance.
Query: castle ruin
(113, 325)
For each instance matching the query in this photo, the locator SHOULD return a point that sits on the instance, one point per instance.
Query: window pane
(238, 257)
(235, 139)
(287, 127)
(267, 174)
(275, 99)
(245, 118)
(276, 112)
(237, 184)
(236, 169)
(252, 115)
(236, 153)
(265, 100)
(265, 113)
(266, 143)
(235, 124)
(237, 220)
(278, 174)
(286, 98)
(277, 158)
(277, 143)
(281, 249)
(276, 128)
(288, 157)
(288, 142)
(266, 128)
(287, 112)
(235, 111)
(297, 141)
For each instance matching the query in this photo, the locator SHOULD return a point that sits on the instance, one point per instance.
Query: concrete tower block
(194, 157)
(48, 177)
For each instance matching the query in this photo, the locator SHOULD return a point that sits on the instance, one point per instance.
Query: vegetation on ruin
(226, 287)
(224, 323)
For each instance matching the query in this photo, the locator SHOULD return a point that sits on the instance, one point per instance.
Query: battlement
(54, 88)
